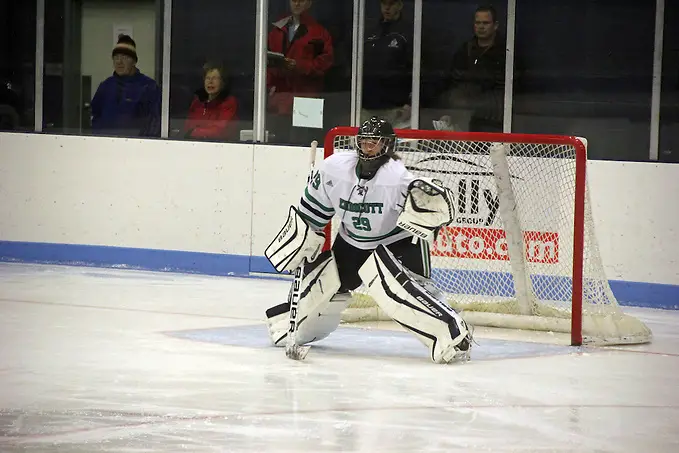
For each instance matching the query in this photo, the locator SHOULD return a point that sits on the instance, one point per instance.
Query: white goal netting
(521, 252)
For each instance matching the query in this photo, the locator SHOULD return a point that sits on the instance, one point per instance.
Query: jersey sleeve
(405, 181)
(315, 206)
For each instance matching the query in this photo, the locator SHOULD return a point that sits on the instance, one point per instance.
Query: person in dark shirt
(477, 76)
(127, 103)
(387, 67)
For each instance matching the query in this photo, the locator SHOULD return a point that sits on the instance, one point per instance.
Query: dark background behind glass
(17, 65)
(587, 70)
(669, 100)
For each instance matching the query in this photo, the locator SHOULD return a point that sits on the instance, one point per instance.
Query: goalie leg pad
(294, 242)
(277, 321)
(319, 308)
(417, 305)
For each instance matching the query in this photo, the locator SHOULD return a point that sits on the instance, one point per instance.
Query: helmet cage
(386, 142)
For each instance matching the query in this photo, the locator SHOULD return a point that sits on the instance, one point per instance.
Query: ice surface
(101, 360)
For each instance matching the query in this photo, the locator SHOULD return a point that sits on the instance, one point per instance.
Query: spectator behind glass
(477, 76)
(307, 52)
(212, 114)
(128, 102)
(387, 67)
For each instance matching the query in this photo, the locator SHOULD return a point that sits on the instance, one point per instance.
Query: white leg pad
(414, 302)
(320, 306)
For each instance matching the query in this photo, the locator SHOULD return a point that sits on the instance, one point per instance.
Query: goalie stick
(292, 349)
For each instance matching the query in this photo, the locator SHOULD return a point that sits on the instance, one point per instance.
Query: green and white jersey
(368, 209)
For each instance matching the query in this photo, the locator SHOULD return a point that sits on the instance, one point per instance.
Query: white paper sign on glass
(307, 112)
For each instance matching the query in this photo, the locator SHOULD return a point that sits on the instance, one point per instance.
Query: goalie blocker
(416, 304)
(294, 242)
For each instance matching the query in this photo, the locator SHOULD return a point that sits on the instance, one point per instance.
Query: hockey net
(521, 252)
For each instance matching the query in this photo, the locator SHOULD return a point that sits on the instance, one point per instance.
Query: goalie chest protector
(368, 209)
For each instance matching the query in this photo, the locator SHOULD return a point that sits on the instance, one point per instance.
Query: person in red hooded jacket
(307, 54)
(212, 113)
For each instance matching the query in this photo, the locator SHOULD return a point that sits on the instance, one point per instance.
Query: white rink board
(147, 194)
(208, 197)
(636, 215)
(280, 174)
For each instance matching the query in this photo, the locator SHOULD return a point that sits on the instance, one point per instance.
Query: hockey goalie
(389, 218)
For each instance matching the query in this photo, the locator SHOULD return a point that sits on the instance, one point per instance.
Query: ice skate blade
(454, 355)
(296, 352)
(462, 356)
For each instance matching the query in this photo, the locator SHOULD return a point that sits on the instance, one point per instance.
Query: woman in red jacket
(212, 114)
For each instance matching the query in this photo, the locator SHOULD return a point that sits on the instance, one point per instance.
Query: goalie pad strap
(294, 242)
(319, 307)
(277, 318)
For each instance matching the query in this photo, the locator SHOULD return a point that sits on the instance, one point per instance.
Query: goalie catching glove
(294, 242)
(428, 206)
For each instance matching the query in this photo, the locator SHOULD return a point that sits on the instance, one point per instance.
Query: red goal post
(536, 204)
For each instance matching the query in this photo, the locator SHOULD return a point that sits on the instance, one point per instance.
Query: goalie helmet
(376, 141)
